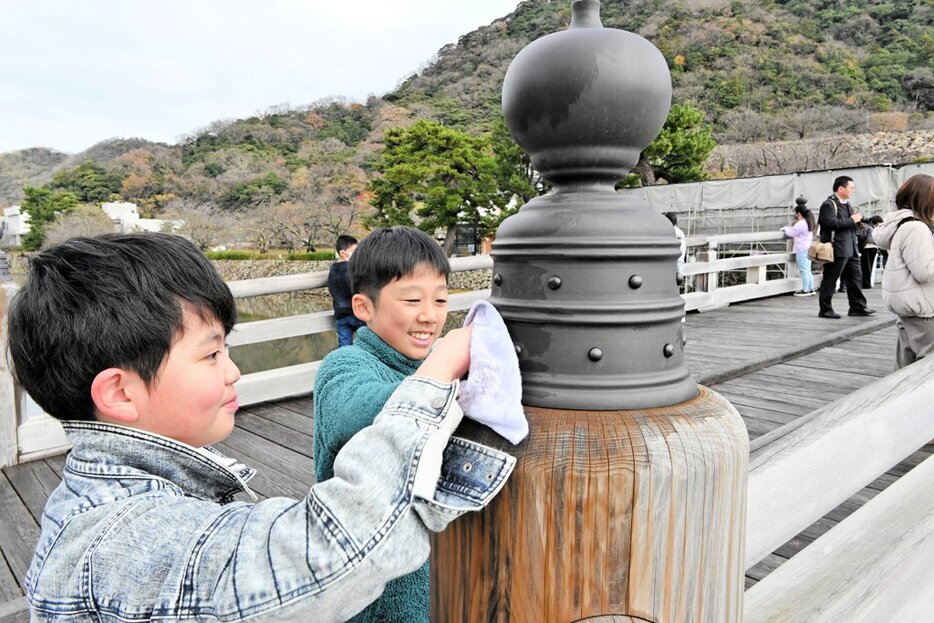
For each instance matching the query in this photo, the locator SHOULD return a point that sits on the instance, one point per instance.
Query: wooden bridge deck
(772, 358)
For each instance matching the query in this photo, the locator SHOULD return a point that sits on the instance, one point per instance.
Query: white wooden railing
(709, 264)
(878, 563)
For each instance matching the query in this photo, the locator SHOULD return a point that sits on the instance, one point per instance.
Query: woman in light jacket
(802, 232)
(908, 280)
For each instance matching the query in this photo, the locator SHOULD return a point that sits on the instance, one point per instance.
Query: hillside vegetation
(770, 61)
(295, 176)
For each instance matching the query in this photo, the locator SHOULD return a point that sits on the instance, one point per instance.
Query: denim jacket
(143, 527)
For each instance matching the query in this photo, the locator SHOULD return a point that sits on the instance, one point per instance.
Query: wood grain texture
(635, 513)
(836, 452)
(876, 565)
(18, 536)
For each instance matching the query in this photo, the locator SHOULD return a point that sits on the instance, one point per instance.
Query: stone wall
(232, 270)
(835, 152)
(317, 299)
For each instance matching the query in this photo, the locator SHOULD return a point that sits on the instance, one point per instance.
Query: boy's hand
(450, 358)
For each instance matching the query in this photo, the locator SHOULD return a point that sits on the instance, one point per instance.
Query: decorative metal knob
(497, 279)
(669, 350)
(584, 103)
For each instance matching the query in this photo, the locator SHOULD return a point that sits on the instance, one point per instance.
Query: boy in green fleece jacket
(399, 280)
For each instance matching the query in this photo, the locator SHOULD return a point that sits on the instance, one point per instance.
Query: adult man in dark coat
(838, 224)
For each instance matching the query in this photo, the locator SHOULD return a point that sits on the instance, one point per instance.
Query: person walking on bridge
(908, 280)
(838, 223)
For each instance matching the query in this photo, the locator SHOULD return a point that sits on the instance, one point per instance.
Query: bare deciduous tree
(86, 220)
(746, 126)
(300, 225)
(821, 120)
(202, 223)
(263, 229)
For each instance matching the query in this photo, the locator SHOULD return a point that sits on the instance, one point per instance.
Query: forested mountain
(35, 166)
(774, 62)
(758, 69)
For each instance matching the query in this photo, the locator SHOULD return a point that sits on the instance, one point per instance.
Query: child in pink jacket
(801, 231)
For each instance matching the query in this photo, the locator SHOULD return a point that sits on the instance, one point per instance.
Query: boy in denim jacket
(122, 337)
(399, 279)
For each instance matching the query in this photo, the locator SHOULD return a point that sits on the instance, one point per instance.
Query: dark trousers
(346, 327)
(866, 260)
(848, 269)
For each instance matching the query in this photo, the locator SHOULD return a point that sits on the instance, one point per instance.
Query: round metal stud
(595, 354)
(554, 282)
(669, 350)
(518, 348)
(635, 282)
(497, 279)
(680, 279)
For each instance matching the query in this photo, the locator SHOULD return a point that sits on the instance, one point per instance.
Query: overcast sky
(75, 72)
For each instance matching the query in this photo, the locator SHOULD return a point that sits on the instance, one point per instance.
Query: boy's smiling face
(410, 311)
(192, 398)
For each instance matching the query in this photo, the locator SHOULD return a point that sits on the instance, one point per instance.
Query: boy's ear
(362, 307)
(112, 391)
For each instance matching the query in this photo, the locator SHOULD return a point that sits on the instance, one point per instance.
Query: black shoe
(862, 312)
(830, 314)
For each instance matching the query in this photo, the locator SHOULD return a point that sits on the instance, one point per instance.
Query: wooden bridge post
(707, 282)
(9, 413)
(628, 500)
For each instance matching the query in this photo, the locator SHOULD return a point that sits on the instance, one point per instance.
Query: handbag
(820, 251)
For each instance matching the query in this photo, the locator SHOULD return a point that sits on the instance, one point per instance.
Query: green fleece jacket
(353, 384)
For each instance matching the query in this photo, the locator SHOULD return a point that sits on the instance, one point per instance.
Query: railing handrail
(714, 240)
(260, 286)
(890, 416)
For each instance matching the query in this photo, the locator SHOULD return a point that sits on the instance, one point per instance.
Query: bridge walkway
(772, 358)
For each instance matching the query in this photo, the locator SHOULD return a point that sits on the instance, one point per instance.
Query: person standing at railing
(801, 231)
(908, 280)
(838, 222)
(400, 285)
(339, 288)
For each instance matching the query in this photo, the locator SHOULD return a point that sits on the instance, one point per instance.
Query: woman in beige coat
(908, 281)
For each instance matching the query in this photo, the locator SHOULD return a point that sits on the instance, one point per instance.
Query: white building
(126, 218)
(13, 227)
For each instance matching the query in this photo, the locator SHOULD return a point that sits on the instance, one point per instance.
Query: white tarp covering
(765, 203)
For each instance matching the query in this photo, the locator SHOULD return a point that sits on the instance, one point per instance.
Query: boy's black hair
(114, 300)
(843, 180)
(391, 253)
(344, 242)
